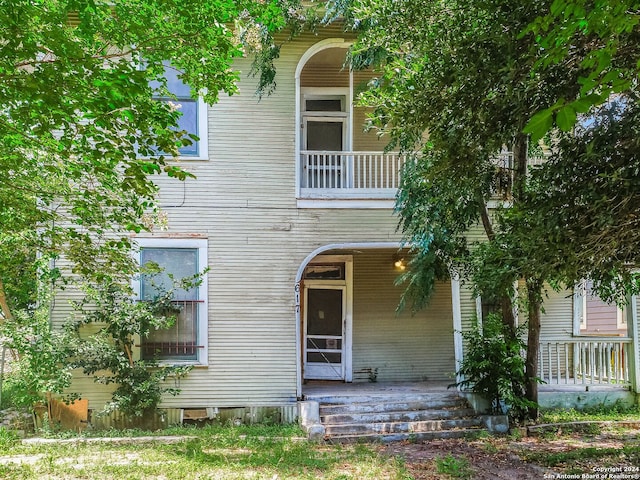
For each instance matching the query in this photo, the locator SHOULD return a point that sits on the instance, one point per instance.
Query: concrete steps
(397, 416)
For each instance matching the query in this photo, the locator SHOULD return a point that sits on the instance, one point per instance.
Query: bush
(494, 367)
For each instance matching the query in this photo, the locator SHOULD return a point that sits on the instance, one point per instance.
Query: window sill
(182, 363)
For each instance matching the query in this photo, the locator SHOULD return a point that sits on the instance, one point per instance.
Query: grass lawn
(208, 453)
(281, 452)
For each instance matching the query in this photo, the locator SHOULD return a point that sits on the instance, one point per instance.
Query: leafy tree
(80, 134)
(599, 35)
(80, 131)
(459, 81)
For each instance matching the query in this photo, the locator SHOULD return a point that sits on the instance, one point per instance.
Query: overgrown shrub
(47, 356)
(494, 367)
(109, 353)
(42, 368)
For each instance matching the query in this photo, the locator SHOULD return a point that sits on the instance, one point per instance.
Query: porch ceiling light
(399, 263)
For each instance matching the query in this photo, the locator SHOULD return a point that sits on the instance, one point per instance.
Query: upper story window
(194, 112)
(186, 339)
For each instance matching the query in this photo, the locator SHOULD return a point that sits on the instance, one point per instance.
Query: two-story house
(292, 212)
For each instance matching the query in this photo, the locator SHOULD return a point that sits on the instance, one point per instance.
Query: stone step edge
(403, 436)
(466, 413)
(430, 425)
(409, 405)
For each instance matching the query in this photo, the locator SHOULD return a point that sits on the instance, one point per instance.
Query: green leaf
(566, 118)
(539, 124)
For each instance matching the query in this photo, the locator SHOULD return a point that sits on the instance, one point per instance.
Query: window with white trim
(594, 316)
(177, 259)
(193, 120)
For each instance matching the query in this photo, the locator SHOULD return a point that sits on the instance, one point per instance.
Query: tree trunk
(534, 297)
(4, 306)
(506, 301)
(519, 165)
(508, 318)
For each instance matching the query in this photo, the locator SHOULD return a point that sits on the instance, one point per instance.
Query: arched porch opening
(347, 326)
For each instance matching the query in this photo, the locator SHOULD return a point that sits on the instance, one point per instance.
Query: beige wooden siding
(557, 314)
(243, 201)
(324, 75)
(399, 346)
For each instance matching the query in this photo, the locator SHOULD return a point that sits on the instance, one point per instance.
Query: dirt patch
(483, 460)
(548, 457)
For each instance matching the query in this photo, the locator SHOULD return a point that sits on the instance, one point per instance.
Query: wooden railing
(601, 361)
(344, 172)
(361, 174)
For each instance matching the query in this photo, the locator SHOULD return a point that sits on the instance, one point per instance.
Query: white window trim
(203, 290)
(344, 117)
(622, 317)
(203, 134)
(347, 283)
(579, 309)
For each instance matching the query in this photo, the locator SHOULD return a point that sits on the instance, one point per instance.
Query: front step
(391, 417)
(401, 427)
(399, 437)
(329, 419)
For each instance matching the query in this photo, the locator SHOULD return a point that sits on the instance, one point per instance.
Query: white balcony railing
(350, 174)
(601, 361)
(338, 174)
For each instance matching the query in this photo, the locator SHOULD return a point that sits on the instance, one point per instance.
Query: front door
(325, 321)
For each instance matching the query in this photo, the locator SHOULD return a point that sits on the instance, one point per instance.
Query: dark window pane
(325, 105)
(324, 136)
(318, 357)
(178, 341)
(325, 272)
(324, 312)
(324, 343)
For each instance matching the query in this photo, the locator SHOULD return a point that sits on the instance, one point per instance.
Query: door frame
(347, 286)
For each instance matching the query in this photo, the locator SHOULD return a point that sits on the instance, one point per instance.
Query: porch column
(634, 360)
(457, 322)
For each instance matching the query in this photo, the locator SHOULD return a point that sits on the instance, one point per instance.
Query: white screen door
(324, 333)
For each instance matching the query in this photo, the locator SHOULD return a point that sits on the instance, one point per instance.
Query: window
(194, 112)
(186, 339)
(594, 316)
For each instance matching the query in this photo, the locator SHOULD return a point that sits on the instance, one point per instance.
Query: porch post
(457, 322)
(634, 357)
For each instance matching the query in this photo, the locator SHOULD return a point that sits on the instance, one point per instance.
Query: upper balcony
(338, 164)
(350, 175)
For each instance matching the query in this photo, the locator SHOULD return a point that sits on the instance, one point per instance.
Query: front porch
(580, 373)
(325, 390)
